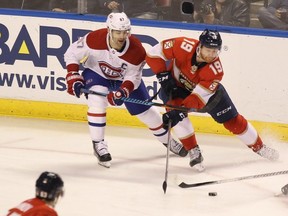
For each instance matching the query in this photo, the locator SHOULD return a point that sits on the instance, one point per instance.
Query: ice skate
(268, 153)
(101, 152)
(284, 189)
(196, 159)
(177, 148)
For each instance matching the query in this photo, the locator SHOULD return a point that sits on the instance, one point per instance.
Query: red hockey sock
(257, 145)
(189, 142)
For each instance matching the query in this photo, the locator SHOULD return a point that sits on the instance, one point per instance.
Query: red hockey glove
(114, 98)
(74, 83)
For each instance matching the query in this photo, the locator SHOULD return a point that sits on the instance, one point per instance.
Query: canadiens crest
(112, 72)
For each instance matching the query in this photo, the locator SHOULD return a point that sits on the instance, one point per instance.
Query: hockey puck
(212, 193)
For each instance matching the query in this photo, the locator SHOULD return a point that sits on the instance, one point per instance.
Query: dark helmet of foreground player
(211, 39)
(49, 186)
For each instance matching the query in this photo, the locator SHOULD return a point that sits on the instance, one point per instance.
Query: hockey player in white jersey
(113, 60)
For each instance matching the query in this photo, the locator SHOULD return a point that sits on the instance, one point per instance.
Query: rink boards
(32, 70)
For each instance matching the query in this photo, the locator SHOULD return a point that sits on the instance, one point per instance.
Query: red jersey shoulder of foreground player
(32, 207)
(201, 79)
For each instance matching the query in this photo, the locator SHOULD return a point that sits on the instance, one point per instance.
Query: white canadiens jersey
(94, 52)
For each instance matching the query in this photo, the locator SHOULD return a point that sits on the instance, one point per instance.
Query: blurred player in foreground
(49, 188)
(113, 60)
(193, 78)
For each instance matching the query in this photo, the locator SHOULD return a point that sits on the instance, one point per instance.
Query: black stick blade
(185, 185)
(164, 186)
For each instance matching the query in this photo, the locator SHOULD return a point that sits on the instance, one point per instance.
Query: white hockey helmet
(118, 21)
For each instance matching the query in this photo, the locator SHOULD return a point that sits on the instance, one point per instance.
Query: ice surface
(133, 184)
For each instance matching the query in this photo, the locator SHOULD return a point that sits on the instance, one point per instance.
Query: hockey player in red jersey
(49, 188)
(113, 60)
(193, 78)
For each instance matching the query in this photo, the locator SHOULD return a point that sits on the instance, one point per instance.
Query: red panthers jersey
(32, 207)
(200, 79)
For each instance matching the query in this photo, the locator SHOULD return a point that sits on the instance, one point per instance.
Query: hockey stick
(164, 185)
(154, 96)
(185, 185)
(208, 107)
(145, 103)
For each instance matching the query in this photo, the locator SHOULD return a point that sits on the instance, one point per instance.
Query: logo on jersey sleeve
(213, 86)
(168, 44)
(112, 72)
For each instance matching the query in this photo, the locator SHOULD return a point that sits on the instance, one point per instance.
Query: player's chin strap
(205, 109)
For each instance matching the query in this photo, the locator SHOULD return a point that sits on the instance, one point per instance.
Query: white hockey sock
(153, 120)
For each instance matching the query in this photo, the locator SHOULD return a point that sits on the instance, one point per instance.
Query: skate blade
(276, 157)
(279, 195)
(273, 157)
(105, 164)
(199, 167)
